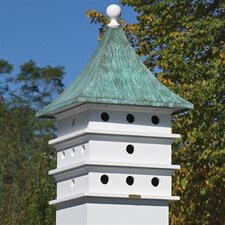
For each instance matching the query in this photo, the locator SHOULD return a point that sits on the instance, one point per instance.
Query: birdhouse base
(113, 211)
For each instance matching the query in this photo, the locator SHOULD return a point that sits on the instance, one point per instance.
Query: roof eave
(52, 114)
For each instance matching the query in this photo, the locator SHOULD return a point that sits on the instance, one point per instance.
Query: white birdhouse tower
(114, 139)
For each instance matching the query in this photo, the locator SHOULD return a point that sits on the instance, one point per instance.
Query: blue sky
(51, 32)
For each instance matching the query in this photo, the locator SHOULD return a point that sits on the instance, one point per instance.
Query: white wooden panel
(103, 150)
(143, 153)
(66, 126)
(156, 213)
(72, 186)
(119, 214)
(75, 215)
(142, 184)
(117, 120)
(72, 155)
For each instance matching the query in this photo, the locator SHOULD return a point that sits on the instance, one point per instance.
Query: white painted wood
(103, 107)
(117, 185)
(155, 213)
(74, 199)
(108, 151)
(113, 11)
(128, 132)
(117, 120)
(142, 152)
(86, 137)
(88, 148)
(73, 155)
(74, 122)
(98, 166)
(141, 186)
(72, 186)
(76, 215)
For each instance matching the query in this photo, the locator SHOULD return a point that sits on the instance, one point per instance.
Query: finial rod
(113, 12)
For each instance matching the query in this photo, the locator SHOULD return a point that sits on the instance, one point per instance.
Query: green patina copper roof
(116, 75)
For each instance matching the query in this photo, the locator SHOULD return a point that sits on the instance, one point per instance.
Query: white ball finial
(113, 12)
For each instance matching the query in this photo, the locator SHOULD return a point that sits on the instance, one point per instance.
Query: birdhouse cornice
(109, 132)
(124, 198)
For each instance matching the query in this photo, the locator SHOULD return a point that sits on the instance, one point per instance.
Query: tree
(183, 43)
(25, 156)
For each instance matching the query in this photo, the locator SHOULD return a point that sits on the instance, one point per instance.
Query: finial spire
(113, 12)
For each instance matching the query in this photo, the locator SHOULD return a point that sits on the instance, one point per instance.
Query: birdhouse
(114, 139)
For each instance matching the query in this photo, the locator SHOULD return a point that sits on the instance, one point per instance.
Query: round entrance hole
(130, 180)
(130, 118)
(104, 179)
(130, 149)
(155, 181)
(105, 116)
(155, 120)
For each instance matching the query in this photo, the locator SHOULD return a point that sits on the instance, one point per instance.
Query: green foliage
(5, 67)
(183, 42)
(25, 156)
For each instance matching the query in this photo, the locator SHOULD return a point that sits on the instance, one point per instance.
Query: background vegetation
(25, 156)
(184, 43)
